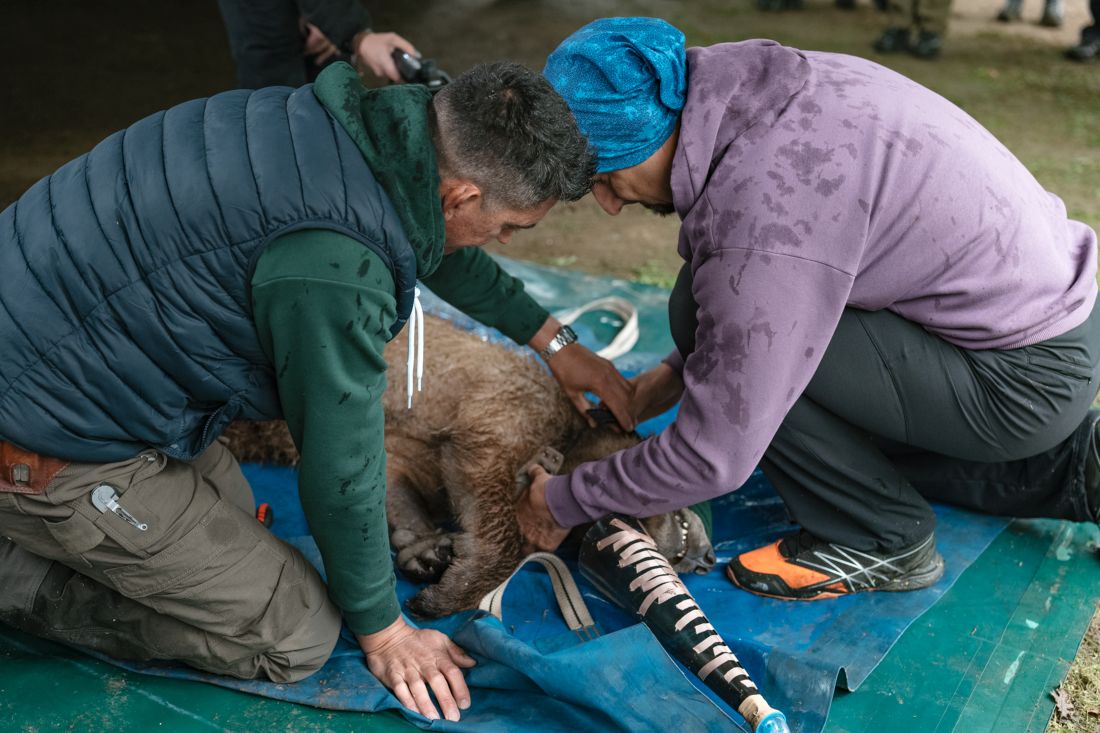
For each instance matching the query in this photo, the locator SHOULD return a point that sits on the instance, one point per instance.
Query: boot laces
(655, 577)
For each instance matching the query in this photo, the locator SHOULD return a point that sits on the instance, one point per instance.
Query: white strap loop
(627, 335)
(415, 359)
(572, 605)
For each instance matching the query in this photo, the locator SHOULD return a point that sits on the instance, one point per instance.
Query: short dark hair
(504, 127)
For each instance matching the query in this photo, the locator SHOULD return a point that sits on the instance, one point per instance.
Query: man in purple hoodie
(880, 306)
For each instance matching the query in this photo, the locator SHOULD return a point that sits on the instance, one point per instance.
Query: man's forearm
(473, 282)
(545, 334)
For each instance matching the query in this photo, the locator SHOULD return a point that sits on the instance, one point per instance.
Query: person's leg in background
(203, 583)
(1011, 12)
(266, 42)
(894, 413)
(1052, 13)
(930, 20)
(1089, 47)
(897, 37)
(916, 26)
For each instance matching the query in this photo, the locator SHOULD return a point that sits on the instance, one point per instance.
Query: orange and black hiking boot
(800, 567)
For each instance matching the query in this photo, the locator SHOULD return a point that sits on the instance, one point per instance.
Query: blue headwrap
(625, 80)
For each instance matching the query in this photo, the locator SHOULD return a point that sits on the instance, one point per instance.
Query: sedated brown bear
(454, 462)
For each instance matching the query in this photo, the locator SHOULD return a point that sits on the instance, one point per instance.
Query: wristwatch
(562, 338)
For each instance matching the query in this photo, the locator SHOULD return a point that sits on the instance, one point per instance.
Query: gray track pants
(204, 583)
(895, 416)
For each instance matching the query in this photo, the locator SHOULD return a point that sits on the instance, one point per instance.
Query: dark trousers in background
(895, 416)
(1092, 32)
(266, 43)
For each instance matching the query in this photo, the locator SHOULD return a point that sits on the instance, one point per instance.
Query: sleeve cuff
(675, 362)
(376, 618)
(525, 318)
(564, 507)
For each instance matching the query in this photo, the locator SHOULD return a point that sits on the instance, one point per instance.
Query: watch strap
(562, 338)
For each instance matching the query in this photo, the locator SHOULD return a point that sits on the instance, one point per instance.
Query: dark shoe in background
(846, 4)
(928, 45)
(893, 40)
(1087, 50)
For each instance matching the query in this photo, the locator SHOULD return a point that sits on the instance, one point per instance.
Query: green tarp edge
(46, 686)
(988, 655)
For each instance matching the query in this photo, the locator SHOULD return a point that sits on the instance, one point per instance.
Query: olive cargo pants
(203, 582)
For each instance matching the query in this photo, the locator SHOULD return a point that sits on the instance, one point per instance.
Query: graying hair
(504, 127)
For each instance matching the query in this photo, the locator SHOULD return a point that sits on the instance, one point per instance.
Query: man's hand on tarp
(409, 660)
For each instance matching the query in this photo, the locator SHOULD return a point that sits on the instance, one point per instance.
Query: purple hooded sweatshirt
(809, 182)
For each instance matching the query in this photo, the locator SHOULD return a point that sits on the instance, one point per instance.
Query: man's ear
(456, 193)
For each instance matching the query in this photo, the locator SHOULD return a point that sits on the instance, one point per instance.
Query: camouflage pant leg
(931, 15)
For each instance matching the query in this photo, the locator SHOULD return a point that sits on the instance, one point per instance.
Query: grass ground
(1081, 688)
(77, 71)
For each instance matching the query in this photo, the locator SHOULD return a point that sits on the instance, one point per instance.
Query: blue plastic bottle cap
(773, 723)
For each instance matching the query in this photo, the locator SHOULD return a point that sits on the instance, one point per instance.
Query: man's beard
(661, 209)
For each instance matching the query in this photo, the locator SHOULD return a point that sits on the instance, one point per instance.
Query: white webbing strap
(415, 358)
(572, 605)
(627, 335)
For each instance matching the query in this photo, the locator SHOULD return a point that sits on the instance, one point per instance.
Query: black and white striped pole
(622, 561)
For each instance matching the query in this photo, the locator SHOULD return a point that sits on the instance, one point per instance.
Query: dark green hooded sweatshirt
(323, 305)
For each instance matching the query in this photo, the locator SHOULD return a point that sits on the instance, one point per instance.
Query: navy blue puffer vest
(124, 303)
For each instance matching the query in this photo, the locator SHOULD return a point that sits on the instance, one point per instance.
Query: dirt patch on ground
(973, 17)
(636, 244)
(75, 83)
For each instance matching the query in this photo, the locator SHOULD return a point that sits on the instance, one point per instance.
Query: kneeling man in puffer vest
(247, 256)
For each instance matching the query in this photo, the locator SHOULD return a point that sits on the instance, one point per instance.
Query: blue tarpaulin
(797, 652)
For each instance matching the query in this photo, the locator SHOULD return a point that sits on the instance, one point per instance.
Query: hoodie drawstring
(416, 332)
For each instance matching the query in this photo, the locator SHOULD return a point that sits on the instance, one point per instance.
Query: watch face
(567, 334)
